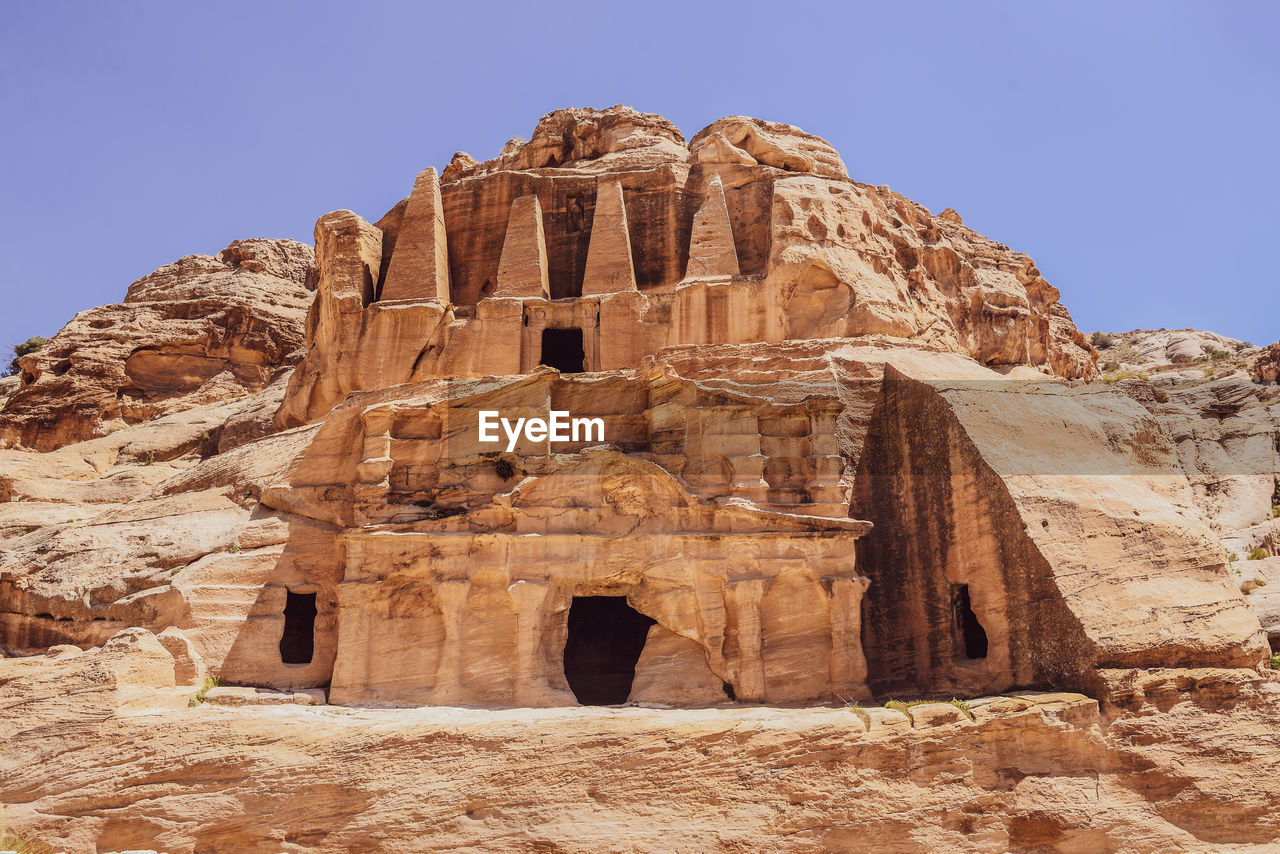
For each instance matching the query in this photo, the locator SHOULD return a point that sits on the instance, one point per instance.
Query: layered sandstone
(848, 455)
(751, 232)
(1215, 398)
(1188, 764)
(200, 330)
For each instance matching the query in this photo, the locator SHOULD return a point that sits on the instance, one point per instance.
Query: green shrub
(210, 682)
(963, 706)
(1110, 366)
(1275, 661)
(26, 348)
(1100, 340)
(1220, 354)
(1258, 554)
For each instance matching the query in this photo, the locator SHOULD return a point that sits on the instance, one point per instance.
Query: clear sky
(1129, 147)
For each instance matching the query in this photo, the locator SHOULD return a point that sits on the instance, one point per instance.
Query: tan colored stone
(188, 665)
(419, 268)
(861, 358)
(609, 268)
(673, 671)
(817, 257)
(711, 250)
(522, 272)
(927, 715)
(152, 356)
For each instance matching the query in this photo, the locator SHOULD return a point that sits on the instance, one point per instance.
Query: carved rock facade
(773, 352)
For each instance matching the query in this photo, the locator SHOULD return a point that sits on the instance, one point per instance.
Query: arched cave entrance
(972, 637)
(297, 643)
(562, 349)
(606, 636)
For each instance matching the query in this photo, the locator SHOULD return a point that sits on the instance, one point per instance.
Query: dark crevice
(562, 349)
(606, 637)
(297, 643)
(971, 634)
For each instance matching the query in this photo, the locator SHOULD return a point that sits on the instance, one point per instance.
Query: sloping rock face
(835, 450)
(200, 330)
(1216, 398)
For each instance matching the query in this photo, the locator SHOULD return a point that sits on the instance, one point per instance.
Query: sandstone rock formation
(199, 330)
(1215, 398)
(835, 450)
(813, 255)
(1036, 772)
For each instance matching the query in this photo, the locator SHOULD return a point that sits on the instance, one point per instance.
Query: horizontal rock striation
(200, 330)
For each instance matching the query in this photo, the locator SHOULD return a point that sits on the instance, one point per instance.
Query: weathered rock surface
(1213, 398)
(201, 330)
(1036, 772)
(846, 453)
(798, 251)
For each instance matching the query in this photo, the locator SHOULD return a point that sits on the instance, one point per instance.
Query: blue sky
(1130, 148)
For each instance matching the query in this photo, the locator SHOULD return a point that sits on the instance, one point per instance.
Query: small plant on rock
(963, 706)
(1258, 554)
(1100, 340)
(26, 348)
(19, 843)
(210, 682)
(898, 706)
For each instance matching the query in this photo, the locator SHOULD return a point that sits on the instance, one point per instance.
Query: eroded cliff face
(849, 453)
(200, 330)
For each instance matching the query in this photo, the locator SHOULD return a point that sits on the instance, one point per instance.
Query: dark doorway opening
(972, 635)
(298, 642)
(562, 350)
(606, 636)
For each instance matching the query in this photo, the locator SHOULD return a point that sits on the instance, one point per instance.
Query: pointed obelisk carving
(419, 268)
(522, 270)
(711, 250)
(609, 269)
